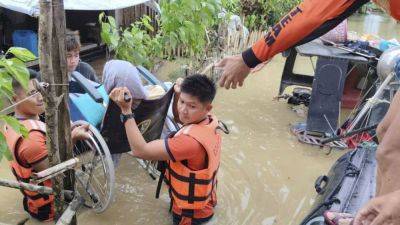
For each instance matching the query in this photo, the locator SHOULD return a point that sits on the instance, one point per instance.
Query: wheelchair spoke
(95, 175)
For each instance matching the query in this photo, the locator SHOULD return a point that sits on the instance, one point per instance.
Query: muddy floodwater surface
(266, 176)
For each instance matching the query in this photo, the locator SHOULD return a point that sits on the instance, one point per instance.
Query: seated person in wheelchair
(192, 154)
(119, 73)
(30, 153)
(116, 73)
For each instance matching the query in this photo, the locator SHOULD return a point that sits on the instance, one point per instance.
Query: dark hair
(32, 75)
(199, 86)
(72, 41)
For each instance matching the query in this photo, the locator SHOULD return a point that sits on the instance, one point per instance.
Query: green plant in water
(12, 68)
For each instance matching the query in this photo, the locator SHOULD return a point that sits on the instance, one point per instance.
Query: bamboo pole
(54, 171)
(69, 214)
(26, 186)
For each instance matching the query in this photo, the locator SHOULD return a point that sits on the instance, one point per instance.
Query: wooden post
(53, 67)
(61, 77)
(45, 56)
(119, 18)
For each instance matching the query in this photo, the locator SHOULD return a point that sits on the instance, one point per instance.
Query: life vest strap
(192, 179)
(188, 179)
(188, 198)
(185, 197)
(163, 166)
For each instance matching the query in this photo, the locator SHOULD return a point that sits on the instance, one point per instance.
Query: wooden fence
(129, 15)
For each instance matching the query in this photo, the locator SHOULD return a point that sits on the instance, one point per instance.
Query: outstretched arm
(307, 21)
(154, 150)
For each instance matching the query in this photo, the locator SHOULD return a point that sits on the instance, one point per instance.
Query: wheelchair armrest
(150, 77)
(87, 86)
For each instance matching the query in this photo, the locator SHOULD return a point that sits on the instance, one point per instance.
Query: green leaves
(6, 89)
(263, 13)
(17, 127)
(14, 124)
(146, 23)
(4, 151)
(17, 70)
(134, 44)
(182, 24)
(9, 69)
(109, 33)
(22, 54)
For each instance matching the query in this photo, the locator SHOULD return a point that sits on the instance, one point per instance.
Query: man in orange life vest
(192, 154)
(30, 154)
(310, 20)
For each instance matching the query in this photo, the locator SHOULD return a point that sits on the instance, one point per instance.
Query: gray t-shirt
(87, 71)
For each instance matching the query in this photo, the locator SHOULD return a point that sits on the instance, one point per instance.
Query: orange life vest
(395, 9)
(37, 205)
(193, 189)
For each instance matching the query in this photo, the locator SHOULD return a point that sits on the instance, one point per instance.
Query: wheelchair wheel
(95, 177)
(370, 111)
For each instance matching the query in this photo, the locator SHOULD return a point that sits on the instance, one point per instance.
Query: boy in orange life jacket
(192, 154)
(30, 154)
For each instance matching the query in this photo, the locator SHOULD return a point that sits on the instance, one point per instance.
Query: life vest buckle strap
(187, 179)
(192, 178)
(186, 198)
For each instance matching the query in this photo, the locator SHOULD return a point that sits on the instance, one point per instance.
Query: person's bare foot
(335, 218)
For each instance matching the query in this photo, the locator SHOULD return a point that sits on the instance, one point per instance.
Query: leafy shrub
(133, 44)
(182, 24)
(260, 14)
(10, 68)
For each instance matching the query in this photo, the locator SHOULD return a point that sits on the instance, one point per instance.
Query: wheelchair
(95, 174)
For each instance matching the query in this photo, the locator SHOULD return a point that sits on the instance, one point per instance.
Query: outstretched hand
(380, 210)
(123, 98)
(234, 72)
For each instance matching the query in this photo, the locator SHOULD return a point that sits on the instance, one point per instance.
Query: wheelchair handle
(147, 75)
(87, 86)
(319, 188)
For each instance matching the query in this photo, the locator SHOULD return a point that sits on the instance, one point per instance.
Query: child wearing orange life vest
(30, 154)
(192, 154)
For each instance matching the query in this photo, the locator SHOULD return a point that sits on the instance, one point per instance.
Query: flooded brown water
(266, 176)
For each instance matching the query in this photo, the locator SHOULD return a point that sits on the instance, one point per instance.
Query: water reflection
(377, 24)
